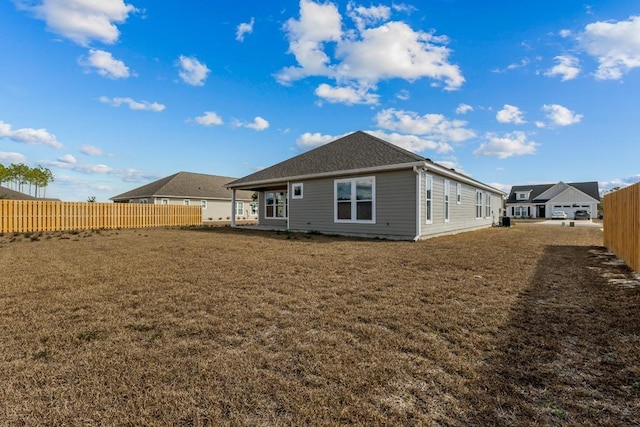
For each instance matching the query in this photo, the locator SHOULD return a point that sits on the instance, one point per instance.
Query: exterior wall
(395, 207)
(216, 210)
(462, 216)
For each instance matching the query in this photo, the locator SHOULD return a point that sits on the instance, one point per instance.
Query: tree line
(18, 176)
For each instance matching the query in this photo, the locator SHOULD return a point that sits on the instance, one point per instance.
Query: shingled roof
(343, 154)
(589, 188)
(186, 185)
(6, 193)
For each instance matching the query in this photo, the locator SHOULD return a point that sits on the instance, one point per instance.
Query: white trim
(447, 201)
(479, 205)
(293, 190)
(458, 193)
(353, 200)
(239, 203)
(275, 205)
(428, 186)
(186, 202)
(419, 173)
(203, 204)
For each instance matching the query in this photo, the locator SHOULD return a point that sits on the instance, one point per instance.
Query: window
(487, 205)
(275, 204)
(296, 190)
(429, 198)
(478, 204)
(458, 193)
(203, 204)
(164, 201)
(186, 202)
(355, 200)
(446, 200)
(239, 208)
(144, 201)
(254, 209)
(522, 196)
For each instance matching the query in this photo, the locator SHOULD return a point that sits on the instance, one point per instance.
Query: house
(186, 188)
(540, 201)
(361, 185)
(7, 193)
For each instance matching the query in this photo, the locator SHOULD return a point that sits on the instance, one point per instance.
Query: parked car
(582, 214)
(559, 215)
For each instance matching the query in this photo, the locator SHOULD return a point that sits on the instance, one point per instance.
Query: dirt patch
(220, 326)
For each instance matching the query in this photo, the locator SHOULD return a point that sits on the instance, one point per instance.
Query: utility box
(505, 221)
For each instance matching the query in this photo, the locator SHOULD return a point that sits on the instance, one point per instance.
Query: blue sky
(110, 95)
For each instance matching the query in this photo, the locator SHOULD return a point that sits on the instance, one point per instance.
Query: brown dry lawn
(530, 325)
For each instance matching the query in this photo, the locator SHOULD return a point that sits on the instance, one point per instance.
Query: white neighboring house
(541, 200)
(195, 189)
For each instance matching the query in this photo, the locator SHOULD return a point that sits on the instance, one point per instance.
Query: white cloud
(561, 116)
(29, 135)
(565, 33)
(514, 66)
(506, 188)
(244, 28)
(606, 186)
(464, 109)
(412, 143)
(90, 150)
(510, 114)
(506, 145)
(126, 174)
(12, 157)
(68, 159)
(346, 95)
(81, 21)
(364, 17)
(310, 140)
(134, 105)
(615, 45)
(434, 127)
(192, 71)
(105, 64)
(403, 95)
(258, 124)
(567, 67)
(367, 54)
(209, 118)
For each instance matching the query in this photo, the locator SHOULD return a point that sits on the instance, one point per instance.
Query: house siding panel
(462, 217)
(395, 207)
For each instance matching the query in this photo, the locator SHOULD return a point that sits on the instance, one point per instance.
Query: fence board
(622, 224)
(23, 216)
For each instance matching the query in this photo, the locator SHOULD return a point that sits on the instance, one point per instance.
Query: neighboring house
(364, 186)
(195, 189)
(540, 201)
(8, 194)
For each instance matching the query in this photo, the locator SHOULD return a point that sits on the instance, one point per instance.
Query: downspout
(288, 205)
(233, 207)
(418, 204)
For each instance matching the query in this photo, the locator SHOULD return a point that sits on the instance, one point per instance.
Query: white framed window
(446, 200)
(354, 200)
(203, 204)
(428, 196)
(186, 202)
(458, 193)
(275, 204)
(478, 204)
(487, 205)
(144, 201)
(522, 196)
(164, 201)
(296, 190)
(239, 208)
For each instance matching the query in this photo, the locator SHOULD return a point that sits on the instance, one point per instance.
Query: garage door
(570, 210)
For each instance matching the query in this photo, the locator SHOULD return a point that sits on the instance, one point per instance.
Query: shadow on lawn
(570, 353)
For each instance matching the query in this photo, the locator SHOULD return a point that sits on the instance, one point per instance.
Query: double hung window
(275, 204)
(354, 200)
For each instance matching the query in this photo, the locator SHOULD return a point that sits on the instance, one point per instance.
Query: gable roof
(589, 188)
(343, 154)
(186, 185)
(6, 193)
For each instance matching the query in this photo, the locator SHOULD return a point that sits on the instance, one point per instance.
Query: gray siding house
(361, 185)
(195, 189)
(541, 200)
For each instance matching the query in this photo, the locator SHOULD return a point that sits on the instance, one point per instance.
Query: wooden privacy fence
(622, 224)
(36, 215)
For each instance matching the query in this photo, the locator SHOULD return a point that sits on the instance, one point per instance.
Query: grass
(519, 326)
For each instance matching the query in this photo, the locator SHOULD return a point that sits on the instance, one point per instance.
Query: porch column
(233, 207)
